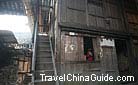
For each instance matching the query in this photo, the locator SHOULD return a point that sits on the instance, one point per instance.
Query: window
(88, 46)
(74, 46)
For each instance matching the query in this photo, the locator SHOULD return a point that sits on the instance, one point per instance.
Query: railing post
(53, 60)
(36, 16)
(34, 51)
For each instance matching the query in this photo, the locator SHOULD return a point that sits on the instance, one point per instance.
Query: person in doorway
(89, 55)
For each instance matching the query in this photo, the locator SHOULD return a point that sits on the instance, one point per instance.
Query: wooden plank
(81, 53)
(92, 30)
(111, 10)
(83, 67)
(62, 47)
(81, 18)
(75, 16)
(96, 47)
(63, 10)
(106, 9)
(114, 11)
(99, 11)
(100, 22)
(95, 9)
(72, 48)
(91, 9)
(92, 21)
(109, 56)
(77, 4)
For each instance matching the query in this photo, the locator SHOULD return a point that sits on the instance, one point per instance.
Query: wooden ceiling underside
(12, 7)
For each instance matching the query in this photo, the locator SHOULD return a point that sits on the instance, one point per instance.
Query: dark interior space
(88, 44)
(122, 56)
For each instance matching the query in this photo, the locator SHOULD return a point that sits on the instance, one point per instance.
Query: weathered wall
(132, 19)
(8, 75)
(131, 15)
(135, 58)
(96, 14)
(72, 48)
(73, 62)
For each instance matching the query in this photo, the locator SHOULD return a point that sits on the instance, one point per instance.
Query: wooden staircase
(44, 61)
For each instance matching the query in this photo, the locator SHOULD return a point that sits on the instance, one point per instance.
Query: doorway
(122, 56)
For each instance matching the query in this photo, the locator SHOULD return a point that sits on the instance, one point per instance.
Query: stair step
(40, 82)
(43, 38)
(43, 46)
(43, 41)
(44, 66)
(44, 62)
(44, 53)
(46, 72)
(46, 50)
(43, 59)
(42, 34)
(44, 56)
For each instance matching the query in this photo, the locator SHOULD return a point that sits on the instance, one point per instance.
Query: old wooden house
(64, 30)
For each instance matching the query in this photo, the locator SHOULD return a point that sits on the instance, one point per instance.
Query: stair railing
(50, 39)
(53, 60)
(35, 39)
(34, 51)
(52, 4)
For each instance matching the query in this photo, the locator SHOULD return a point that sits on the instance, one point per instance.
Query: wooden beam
(91, 30)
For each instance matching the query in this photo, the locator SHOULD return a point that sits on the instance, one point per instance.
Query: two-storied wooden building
(108, 27)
